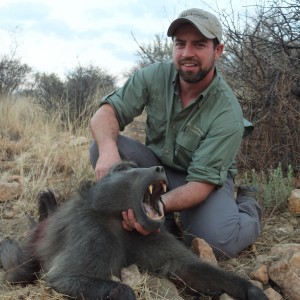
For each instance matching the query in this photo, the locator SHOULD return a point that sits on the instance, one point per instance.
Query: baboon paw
(255, 293)
(121, 292)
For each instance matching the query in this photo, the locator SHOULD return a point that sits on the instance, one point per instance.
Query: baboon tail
(47, 204)
(19, 266)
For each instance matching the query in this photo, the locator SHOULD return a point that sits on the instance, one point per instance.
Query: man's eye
(179, 44)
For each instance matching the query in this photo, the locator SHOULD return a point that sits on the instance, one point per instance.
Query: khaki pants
(229, 225)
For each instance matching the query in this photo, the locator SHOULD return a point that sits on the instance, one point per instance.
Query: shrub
(275, 187)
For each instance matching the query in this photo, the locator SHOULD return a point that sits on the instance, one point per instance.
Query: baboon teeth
(164, 187)
(150, 189)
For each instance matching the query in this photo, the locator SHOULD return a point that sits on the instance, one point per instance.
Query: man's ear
(218, 51)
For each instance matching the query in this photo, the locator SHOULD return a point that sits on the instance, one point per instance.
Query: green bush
(274, 186)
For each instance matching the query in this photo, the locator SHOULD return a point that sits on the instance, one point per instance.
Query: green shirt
(202, 139)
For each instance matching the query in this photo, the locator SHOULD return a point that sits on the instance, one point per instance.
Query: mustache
(189, 60)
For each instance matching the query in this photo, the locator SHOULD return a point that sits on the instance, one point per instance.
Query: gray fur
(81, 244)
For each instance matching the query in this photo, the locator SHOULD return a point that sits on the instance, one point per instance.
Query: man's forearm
(105, 127)
(105, 130)
(187, 196)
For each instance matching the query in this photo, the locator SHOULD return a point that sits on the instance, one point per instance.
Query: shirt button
(167, 151)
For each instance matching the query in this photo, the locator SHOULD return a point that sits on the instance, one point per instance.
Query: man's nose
(188, 50)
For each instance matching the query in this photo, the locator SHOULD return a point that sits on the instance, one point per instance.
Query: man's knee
(226, 240)
(133, 150)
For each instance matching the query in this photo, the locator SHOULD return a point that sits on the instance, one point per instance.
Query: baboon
(82, 243)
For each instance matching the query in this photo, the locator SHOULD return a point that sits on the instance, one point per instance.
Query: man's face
(194, 55)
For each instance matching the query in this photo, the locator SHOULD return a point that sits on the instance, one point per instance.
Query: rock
(10, 188)
(163, 288)
(280, 249)
(272, 294)
(294, 202)
(285, 272)
(260, 273)
(282, 232)
(201, 248)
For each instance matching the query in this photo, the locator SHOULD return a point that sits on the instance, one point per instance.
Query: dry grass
(35, 147)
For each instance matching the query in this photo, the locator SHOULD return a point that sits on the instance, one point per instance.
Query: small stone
(294, 202)
(286, 271)
(201, 248)
(272, 294)
(260, 273)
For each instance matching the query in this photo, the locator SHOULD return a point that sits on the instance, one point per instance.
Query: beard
(192, 77)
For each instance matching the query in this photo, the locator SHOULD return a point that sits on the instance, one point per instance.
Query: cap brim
(180, 21)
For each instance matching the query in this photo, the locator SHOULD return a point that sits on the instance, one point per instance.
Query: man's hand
(129, 223)
(105, 162)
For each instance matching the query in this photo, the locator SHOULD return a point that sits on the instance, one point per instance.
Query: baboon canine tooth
(150, 188)
(164, 187)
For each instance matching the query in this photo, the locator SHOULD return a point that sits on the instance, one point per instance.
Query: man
(194, 129)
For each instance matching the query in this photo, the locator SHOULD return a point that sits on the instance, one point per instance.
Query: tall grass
(35, 146)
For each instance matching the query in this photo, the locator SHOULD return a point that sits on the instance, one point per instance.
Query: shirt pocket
(187, 142)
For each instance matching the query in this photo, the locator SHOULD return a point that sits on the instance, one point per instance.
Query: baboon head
(136, 188)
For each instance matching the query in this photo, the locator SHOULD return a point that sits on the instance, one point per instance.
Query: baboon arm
(204, 277)
(89, 288)
(173, 258)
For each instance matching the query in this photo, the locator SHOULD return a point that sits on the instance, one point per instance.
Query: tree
(261, 63)
(83, 85)
(76, 98)
(160, 49)
(13, 74)
(49, 91)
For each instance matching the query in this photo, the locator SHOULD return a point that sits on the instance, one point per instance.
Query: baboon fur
(80, 244)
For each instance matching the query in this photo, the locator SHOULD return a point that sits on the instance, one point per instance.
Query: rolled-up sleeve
(216, 154)
(128, 101)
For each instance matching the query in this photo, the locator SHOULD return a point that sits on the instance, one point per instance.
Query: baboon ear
(123, 165)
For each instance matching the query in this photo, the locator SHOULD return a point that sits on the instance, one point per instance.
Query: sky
(56, 36)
